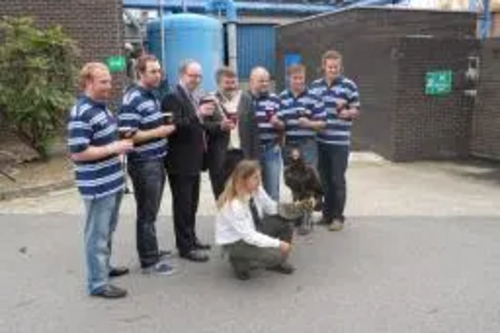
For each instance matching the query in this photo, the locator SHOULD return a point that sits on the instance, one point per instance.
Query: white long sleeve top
(234, 221)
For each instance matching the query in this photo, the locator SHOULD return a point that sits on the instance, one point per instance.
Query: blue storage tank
(189, 36)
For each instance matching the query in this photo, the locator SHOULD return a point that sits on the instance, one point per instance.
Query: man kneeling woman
(248, 225)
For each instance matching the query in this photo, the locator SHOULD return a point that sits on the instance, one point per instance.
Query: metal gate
(256, 47)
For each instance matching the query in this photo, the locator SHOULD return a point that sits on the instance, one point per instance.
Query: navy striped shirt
(92, 124)
(141, 110)
(337, 131)
(304, 105)
(265, 106)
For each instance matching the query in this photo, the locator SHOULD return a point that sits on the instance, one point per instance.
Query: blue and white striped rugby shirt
(265, 106)
(292, 108)
(141, 110)
(337, 131)
(92, 124)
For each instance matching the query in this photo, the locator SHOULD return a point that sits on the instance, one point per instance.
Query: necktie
(195, 101)
(255, 214)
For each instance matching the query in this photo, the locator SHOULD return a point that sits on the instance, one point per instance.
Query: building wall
(430, 126)
(486, 116)
(388, 52)
(96, 25)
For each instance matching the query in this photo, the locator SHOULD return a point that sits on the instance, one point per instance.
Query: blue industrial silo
(189, 36)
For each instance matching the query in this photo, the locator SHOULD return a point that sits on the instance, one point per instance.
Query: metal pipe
(232, 45)
(217, 6)
(200, 6)
(162, 34)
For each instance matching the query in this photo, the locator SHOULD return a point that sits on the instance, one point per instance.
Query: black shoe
(195, 256)
(242, 275)
(201, 246)
(110, 292)
(284, 268)
(118, 271)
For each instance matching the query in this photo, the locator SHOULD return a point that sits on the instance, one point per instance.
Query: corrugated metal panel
(256, 47)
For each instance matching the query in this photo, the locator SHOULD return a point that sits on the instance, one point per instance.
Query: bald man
(261, 127)
(184, 161)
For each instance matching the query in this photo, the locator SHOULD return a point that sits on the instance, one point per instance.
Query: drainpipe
(231, 35)
(215, 6)
(162, 34)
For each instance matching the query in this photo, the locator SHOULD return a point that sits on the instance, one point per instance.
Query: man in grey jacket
(260, 129)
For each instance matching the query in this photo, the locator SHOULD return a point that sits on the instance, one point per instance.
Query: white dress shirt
(234, 221)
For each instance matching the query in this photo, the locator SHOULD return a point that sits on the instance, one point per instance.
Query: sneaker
(336, 225)
(110, 292)
(160, 268)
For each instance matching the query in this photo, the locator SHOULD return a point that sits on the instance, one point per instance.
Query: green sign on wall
(116, 63)
(438, 83)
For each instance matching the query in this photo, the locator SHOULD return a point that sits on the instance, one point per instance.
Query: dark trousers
(148, 179)
(217, 181)
(332, 166)
(185, 197)
(244, 256)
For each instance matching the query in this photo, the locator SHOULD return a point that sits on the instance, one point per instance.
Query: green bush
(37, 80)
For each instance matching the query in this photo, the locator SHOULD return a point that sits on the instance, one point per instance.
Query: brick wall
(387, 52)
(428, 126)
(96, 25)
(486, 117)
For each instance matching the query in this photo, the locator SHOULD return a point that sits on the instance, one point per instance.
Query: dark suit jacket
(248, 127)
(186, 145)
(218, 140)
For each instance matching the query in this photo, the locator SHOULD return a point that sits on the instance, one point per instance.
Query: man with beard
(223, 143)
(141, 116)
(95, 148)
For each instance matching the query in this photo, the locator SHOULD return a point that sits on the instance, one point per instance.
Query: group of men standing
(186, 133)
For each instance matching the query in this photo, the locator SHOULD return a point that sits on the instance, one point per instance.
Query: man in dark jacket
(260, 129)
(184, 162)
(223, 141)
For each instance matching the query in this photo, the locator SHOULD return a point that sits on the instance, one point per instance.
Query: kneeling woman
(248, 225)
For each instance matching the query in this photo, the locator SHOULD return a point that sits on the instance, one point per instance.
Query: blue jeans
(101, 221)
(148, 178)
(332, 165)
(270, 162)
(308, 147)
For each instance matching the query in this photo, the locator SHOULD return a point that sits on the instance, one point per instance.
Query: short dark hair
(225, 72)
(142, 62)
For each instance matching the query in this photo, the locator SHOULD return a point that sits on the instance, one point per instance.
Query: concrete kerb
(36, 190)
